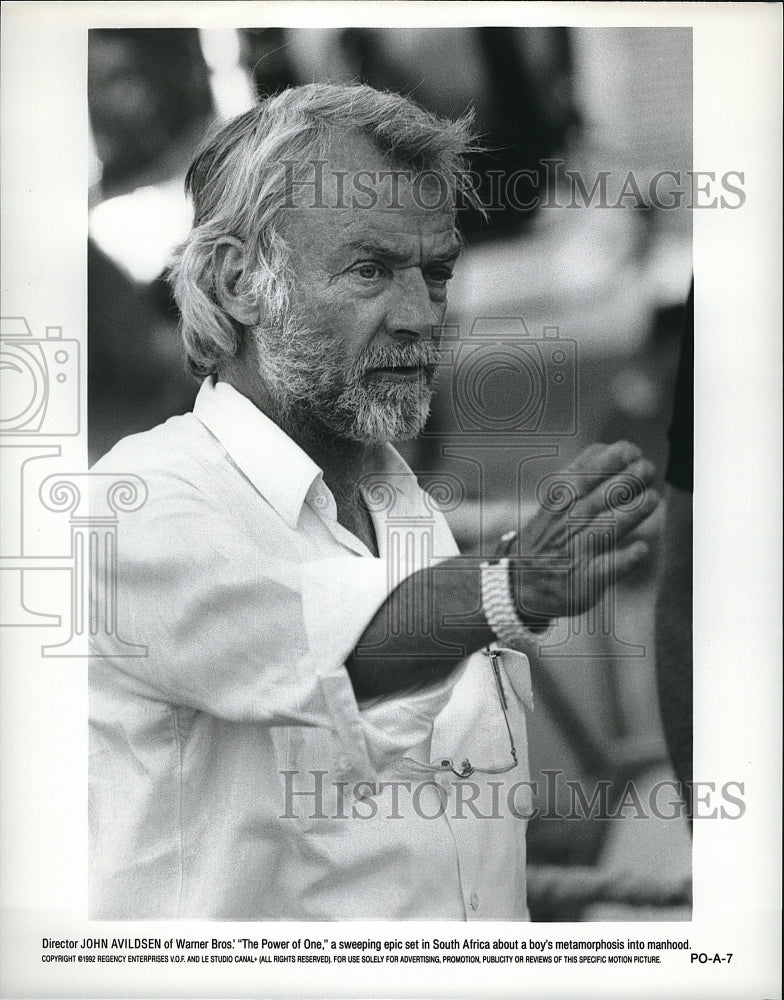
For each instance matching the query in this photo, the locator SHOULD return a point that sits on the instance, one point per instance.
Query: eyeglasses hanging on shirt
(467, 766)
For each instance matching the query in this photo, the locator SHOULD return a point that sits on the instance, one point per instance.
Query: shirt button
(474, 901)
(320, 501)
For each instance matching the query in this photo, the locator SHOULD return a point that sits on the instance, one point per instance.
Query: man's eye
(369, 271)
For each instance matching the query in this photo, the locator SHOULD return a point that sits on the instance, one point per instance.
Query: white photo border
(737, 539)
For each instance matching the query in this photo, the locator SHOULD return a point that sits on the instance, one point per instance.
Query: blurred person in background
(150, 102)
(674, 598)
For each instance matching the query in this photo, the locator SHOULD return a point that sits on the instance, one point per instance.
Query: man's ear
(228, 260)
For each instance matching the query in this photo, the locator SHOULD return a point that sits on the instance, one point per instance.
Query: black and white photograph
(391, 481)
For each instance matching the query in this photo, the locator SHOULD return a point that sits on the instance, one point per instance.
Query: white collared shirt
(233, 774)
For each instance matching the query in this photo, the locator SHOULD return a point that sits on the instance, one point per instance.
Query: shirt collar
(277, 467)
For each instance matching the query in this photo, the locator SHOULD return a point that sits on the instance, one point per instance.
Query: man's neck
(344, 466)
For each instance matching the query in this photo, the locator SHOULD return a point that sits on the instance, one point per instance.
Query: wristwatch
(499, 605)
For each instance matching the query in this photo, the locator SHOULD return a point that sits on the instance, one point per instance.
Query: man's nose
(412, 314)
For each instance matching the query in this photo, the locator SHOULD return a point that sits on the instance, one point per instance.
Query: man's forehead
(354, 151)
(352, 173)
(354, 198)
(405, 236)
(395, 226)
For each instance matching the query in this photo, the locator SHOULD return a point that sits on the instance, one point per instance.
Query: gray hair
(238, 192)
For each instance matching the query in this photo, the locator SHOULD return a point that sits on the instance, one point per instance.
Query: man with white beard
(329, 721)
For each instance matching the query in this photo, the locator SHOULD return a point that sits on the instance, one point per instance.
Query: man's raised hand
(582, 537)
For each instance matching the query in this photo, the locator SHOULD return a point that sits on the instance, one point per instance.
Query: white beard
(320, 397)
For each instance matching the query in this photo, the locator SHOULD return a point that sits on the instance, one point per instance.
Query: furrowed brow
(372, 248)
(394, 257)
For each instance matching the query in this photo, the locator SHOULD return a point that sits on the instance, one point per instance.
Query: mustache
(425, 355)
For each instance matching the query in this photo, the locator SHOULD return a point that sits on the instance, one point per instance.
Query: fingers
(626, 486)
(629, 520)
(607, 568)
(605, 459)
(592, 472)
(650, 528)
(625, 522)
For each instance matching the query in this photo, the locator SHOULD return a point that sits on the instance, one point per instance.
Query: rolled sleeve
(340, 597)
(231, 621)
